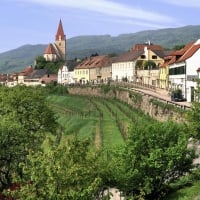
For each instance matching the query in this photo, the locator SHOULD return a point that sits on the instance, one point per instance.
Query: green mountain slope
(17, 59)
(84, 46)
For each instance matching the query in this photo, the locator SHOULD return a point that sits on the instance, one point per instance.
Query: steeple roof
(60, 33)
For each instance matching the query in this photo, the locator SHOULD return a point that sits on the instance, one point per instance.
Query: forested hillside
(84, 46)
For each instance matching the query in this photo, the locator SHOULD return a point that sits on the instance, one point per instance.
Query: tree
(178, 47)
(66, 172)
(40, 62)
(193, 115)
(154, 157)
(25, 118)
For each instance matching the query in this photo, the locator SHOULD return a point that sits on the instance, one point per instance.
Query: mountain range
(83, 46)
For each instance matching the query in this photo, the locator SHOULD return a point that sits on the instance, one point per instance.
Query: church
(57, 50)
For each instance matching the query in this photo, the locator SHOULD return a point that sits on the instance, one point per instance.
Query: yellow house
(147, 65)
(94, 69)
(81, 73)
(164, 77)
(164, 72)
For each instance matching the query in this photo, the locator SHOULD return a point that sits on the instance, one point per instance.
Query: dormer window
(143, 56)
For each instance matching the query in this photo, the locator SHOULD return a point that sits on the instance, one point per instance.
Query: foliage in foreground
(25, 118)
(154, 157)
(69, 172)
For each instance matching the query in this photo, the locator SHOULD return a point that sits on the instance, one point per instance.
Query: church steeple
(60, 33)
(60, 41)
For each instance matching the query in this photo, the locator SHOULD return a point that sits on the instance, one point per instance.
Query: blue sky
(35, 21)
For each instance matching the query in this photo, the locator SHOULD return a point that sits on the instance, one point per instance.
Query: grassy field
(106, 122)
(188, 193)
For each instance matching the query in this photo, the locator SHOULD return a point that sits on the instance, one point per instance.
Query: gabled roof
(50, 49)
(159, 53)
(95, 62)
(129, 56)
(189, 53)
(26, 71)
(182, 54)
(38, 73)
(60, 33)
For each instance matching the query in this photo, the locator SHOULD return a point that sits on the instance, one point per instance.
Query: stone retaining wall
(135, 99)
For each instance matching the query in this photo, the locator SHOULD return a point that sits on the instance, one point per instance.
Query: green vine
(136, 97)
(166, 106)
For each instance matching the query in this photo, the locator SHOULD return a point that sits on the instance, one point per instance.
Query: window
(154, 57)
(143, 56)
(177, 70)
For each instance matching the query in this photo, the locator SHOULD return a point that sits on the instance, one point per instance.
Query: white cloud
(109, 8)
(137, 23)
(184, 3)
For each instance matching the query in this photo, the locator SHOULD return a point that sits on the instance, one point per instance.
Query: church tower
(60, 41)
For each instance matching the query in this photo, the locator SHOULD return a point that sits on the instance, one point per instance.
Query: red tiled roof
(50, 49)
(95, 62)
(26, 71)
(182, 54)
(60, 33)
(189, 53)
(148, 45)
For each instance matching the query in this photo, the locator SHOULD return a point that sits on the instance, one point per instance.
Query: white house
(123, 67)
(65, 76)
(183, 71)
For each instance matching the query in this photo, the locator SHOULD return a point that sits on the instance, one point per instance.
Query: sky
(35, 21)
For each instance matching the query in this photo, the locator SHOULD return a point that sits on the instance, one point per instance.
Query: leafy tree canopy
(154, 157)
(41, 63)
(25, 118)
(193, 115)
(67, 172)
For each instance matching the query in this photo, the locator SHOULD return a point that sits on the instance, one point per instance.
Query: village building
(24, 73)
(96, 69)
(40, 77)
(130, 66)
(183, 72)
(3, 79)
(123, 67)
(57, 50)
(65, 76)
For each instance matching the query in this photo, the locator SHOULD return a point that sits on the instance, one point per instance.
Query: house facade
(65, 76)
(23, 74)
(123, 67)
(183, 71)
(40, 77)
(93, 70)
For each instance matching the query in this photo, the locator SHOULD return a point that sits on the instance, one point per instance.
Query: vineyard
(106, 122)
